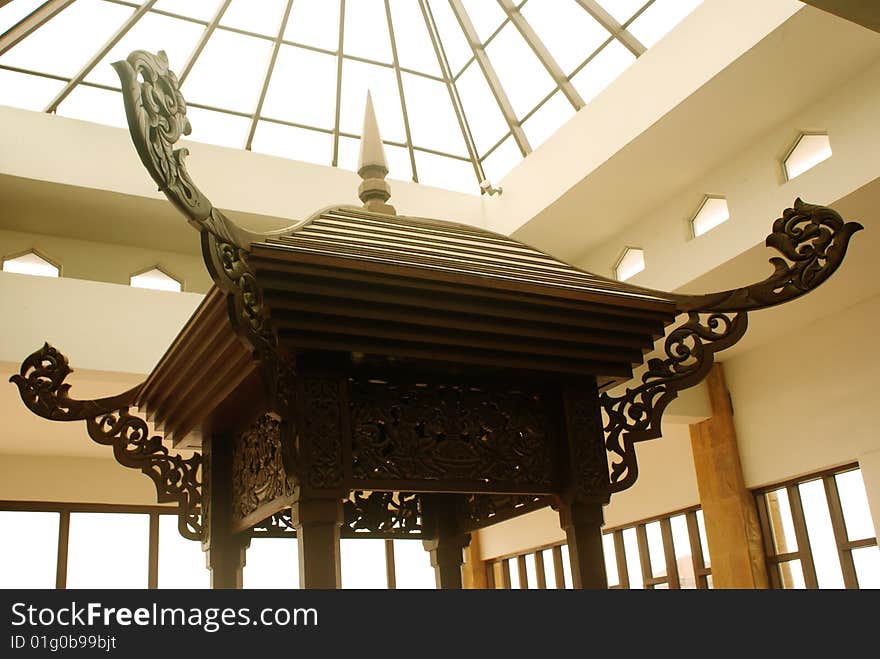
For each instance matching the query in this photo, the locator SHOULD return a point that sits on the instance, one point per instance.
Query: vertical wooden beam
(390, 569)
(558, 569)
(733, 532)
(620, 557)
(225, 551)
(582, 523)
(539, 570)
(63, 542)
(850, 579)
(447, 541)
(672, 577)
(474, 570)
(317, 522)
(153, 554)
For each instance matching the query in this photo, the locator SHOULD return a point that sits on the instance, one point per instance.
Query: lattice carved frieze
(322, 457)
(479, 510)
(431, 432)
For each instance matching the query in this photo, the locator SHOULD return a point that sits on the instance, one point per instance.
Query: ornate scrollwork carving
(258, 474)
(397, 514)
(431, 432)
(587, 456)
(813, 239)
(41, 385)
(322, 433)
(635, 416)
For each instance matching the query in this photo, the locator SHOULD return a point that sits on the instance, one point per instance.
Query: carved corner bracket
(812, 241)
(109, 422)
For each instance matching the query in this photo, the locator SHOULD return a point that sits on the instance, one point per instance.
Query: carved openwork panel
(588, 460)
(430, 432)
(322, 432)
(258, 475)
(481, 510)
(367, 515)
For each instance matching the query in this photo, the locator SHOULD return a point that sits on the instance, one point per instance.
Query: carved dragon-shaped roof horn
(551, 317)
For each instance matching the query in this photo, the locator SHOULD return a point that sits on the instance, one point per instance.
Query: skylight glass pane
(566, 569)
(523, 77)
(218, 128)
(108, 550)
(229, 72)
(432, 119)
(412, 565)
(302, 88)
(202, 9)
(64, 44)
(262, 18)
(483, 115)
(502, 160)
(809, 151)
(414, 48)
(485, 16)
(96, 105)
(366, 30)
(181, 561)
(272, 563)
(602, 70)
(363, 563)
(656, 552)
(448, 173)
(547, 119)
(29, 555)
(713, 211)
(455, 44)
(13, 12)
(357, 78)
(30, 264)
(867, 564)
(658, 19)
(633, 566)
(399, 166)
(610, 559)
(623, 10)
(569, 33)
(156, 280)
(153, 32)
(21, 90)
(314, 23)
(682, 546)
(630, 264)
(293, 143)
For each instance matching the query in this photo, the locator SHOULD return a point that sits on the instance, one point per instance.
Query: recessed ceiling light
(630, 263)
(31, 264)
(157, 280)
(713, 211)
(809, 150)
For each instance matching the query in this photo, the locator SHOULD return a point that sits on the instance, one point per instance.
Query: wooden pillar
(582, 523)
(317, 522)
(225, 551)
(474, 575)
(447, 542)
(733, 531)
(589, 488)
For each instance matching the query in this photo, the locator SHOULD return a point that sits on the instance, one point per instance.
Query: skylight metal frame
(512, 15)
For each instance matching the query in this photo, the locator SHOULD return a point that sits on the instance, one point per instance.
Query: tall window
(818, 532)
(661, 552)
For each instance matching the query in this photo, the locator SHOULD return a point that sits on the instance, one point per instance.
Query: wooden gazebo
(367, 374)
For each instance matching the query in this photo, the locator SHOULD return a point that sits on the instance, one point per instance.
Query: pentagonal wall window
(157, 280)
(630, 263)
(809, 150)
(31, 263)
(713, 211)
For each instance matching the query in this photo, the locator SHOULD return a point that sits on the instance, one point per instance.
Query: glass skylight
(463, 89)
(713, 211)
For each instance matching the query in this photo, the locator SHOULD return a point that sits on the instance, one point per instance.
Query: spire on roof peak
(372, 165)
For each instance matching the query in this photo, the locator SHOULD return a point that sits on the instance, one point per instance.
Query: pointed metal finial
(372, 166)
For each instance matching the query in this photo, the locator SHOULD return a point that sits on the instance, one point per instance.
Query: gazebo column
(225, 551)
(582, 523)
(318, 521)
(446, 544)
(588, 489)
